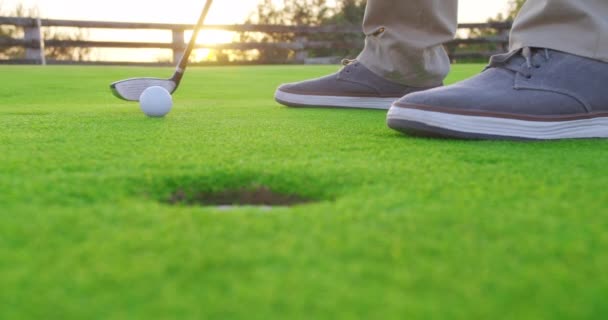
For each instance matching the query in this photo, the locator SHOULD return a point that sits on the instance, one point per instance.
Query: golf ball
(156, 101)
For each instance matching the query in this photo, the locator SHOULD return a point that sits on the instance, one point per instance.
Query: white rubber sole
(454, 125)
(300, 100)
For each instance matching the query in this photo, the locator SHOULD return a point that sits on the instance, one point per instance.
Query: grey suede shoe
(527, 94)
(354, 86)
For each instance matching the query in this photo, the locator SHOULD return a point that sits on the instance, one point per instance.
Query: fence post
(505, 33)
(301, 52)
(178, 45)
(35, 49)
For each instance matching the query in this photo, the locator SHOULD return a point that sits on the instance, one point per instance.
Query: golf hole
(261, 197)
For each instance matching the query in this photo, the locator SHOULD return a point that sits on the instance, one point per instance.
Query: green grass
(404, 227)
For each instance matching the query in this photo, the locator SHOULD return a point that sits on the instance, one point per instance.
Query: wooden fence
(34, 43)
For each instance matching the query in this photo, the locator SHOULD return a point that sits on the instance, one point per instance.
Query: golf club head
(131, 89)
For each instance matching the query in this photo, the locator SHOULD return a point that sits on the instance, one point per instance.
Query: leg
(577, 27)
(402, 54)
(404, 40)
(551, 86)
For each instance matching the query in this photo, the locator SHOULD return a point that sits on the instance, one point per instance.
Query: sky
(185, 11)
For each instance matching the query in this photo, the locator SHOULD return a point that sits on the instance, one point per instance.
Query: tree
(514, 8)
(55, 53)
(13, 32)
(65, 53)
(290, 12)
(307, 13)
(349, 13)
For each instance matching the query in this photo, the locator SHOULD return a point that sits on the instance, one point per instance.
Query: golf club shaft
(183, 63)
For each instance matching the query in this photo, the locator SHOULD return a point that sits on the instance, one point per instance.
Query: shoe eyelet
(378, 32)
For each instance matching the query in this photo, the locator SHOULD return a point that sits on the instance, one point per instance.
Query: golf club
(131, 89)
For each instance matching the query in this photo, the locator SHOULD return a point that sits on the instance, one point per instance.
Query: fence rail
(34, 43)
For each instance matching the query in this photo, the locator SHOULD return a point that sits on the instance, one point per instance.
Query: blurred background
(238, 31)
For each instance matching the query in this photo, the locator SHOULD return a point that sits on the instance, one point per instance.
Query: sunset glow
(181, 11)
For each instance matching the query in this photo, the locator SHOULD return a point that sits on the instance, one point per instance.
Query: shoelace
(528, 54)
(346, 62)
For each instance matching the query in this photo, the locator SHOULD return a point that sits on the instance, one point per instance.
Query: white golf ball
(156, 101)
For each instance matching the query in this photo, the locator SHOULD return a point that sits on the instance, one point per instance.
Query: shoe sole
(416, 121)
(302, 100)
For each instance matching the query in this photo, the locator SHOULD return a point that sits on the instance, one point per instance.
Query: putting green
(401, 227)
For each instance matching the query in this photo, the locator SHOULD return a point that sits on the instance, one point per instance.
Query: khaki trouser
(404, 37)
